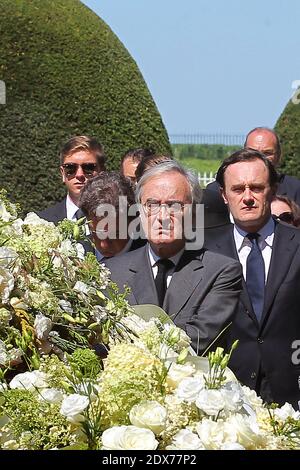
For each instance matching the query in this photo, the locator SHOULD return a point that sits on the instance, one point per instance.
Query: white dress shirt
(71, 208)
(154, 258)
(265, 241)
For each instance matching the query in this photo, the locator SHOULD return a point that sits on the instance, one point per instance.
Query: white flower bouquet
(57, 310)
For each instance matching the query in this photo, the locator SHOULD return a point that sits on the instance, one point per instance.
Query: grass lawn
(200, 165)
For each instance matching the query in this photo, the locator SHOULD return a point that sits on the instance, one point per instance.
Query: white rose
(128, 437)
(149, 414)
(189, 388)
(29, 380)
(232, 446)
(246, 431)
(178, 372)
(51, 395)
(286, 411)
(42, 326)
(185, 440)
(251, 398)
(6, 284)
(211, 433)
(210, 401)
(72, 407)
(233, 396)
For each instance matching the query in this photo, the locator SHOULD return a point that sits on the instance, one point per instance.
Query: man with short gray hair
(198, 289)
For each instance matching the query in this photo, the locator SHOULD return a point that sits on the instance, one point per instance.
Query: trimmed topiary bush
(288, 129)
(66, 73)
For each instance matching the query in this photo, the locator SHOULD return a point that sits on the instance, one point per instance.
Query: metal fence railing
(217, 138)
(205, 178)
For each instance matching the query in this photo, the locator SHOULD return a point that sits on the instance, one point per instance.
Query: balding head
(265, 141)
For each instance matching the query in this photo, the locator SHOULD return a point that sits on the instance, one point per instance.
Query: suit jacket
(202, 296)
(287, 186)
(55, 213)
(268, 345)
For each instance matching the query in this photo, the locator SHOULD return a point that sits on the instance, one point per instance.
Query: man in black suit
(268, 321)
(81, 158)
(266, 141)
(106, 200)
(197, 288)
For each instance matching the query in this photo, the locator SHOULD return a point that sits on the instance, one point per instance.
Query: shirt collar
(154, 258)
(266, 234)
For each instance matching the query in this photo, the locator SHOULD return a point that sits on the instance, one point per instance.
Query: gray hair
(170, 167)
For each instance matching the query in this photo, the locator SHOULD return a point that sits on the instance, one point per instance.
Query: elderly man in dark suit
(81, 158)
(198, 289)
(268, 321)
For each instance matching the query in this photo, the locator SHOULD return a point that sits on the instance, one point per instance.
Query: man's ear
(62, 174)
(223, 194)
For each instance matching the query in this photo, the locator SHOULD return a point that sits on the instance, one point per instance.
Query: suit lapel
(284, 247)
(183, 283)
(141, 278)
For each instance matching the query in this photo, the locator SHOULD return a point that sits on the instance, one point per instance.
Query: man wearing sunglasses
(81, 159)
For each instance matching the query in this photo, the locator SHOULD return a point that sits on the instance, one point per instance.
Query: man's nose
(248, 196)
(79, 173)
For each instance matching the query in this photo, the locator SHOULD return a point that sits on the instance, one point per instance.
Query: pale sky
(212, 66)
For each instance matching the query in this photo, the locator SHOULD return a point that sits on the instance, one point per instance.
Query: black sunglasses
(286, 217)
(88, 169)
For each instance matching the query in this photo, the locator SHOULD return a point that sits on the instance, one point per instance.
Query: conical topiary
(66, 73)
(288, 130)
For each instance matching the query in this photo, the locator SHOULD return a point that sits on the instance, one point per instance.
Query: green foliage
(36, 424)
(85, 361)
(288, 129)
(66, 73)
(203, 151)
(200, 166)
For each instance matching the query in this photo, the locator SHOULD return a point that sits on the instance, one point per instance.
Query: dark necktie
(255, 276)
(164, 266)
(79, 214)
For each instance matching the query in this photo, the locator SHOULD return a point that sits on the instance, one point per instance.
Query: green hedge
(66, 73)
(288, 129)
